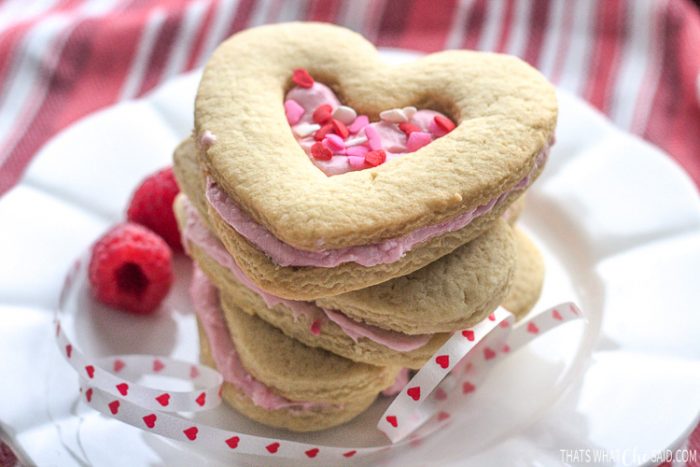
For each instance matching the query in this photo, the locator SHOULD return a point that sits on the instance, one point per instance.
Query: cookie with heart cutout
(276, 380)
(528, 277)
(400, 322)
(302, 234)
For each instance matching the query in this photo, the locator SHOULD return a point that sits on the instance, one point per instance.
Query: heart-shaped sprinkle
(320, 152)
(394, 116)
(88, 395)
(440, 394)
(340, 128)
(392, 420)
(442, 416)
(194, 372)
(123, 388)
(118, 365)
(322, 114)
(158, 365)
(556, 315)
(443, 361)
(150, 420)
(311, 452)
(375, 158)
(302, 78)
(191, 432)
(408, 128)
(489, 353)
(323, 131)
(164, 399)
(532, 328)
(114, 407)
(233, 441)
(201, 399)
(467, 387)
(69, 350)
(413, 392)
(469, 334)
(90, 370)
(444, 123)
(349, 453)
(359, 123)
(305, 129)
(272, 447)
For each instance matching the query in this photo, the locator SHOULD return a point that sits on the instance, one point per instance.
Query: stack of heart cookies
(345, 216)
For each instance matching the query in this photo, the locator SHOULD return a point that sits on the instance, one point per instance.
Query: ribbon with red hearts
(110, 386)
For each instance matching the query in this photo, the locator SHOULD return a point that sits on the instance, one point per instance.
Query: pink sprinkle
(334, 142)
(293, 111)
(357, 151)
(359, 123)
(417, 139)
(356, 163)
(373, 138)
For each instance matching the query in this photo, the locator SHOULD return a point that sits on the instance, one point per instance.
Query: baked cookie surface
(506, 113)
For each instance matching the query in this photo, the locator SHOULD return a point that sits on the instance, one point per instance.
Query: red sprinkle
(408, 128)
(375, 158)
(323, 131)
(340, 129)
(302, 78)
(320, 152)
(322, 114)
(444, 123)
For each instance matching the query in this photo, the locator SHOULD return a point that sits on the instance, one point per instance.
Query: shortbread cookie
(277, 380)
(528, 277)
(302, 234)
(401, 322)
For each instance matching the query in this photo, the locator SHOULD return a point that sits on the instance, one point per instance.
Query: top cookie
(506, 113)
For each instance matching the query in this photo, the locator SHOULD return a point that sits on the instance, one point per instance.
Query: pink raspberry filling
(196, 233)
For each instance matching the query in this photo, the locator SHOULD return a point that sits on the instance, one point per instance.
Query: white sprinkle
(409, 111)
(305, 129)
(355, 141)
(207, 139)
(345, 114)
(393, 116)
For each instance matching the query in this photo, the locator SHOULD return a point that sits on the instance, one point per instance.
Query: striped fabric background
(638, 61)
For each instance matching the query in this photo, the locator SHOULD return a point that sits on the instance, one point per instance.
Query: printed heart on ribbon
(532, 328)
(123, 388)
(191, 432)
(272, 447)
(466, 161)
(201, 399)
(114, 407)
(489, 353)
(443, 361)
(414, 392)
(158, 365)
(467, 387)
(163, 399)
(150, 420)
(349, 453)
(88, 395)
(556, 315)
(69, 350)
(469, 334)
(392, 420)
(442, 416)
(233, 441)
(90, 370)
(313, 452)
(118, 365)
(194, 372)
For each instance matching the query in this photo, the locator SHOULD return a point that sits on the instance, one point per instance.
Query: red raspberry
(152, 206)
(131, 269)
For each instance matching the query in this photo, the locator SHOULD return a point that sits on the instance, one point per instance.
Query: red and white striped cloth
(638, 61)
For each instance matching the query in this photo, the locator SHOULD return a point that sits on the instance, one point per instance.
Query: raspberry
(131, 269)
(152, 206)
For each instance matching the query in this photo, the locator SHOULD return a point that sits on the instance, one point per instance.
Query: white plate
(618, 223)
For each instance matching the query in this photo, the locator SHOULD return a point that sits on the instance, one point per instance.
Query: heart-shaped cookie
(302, 234)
